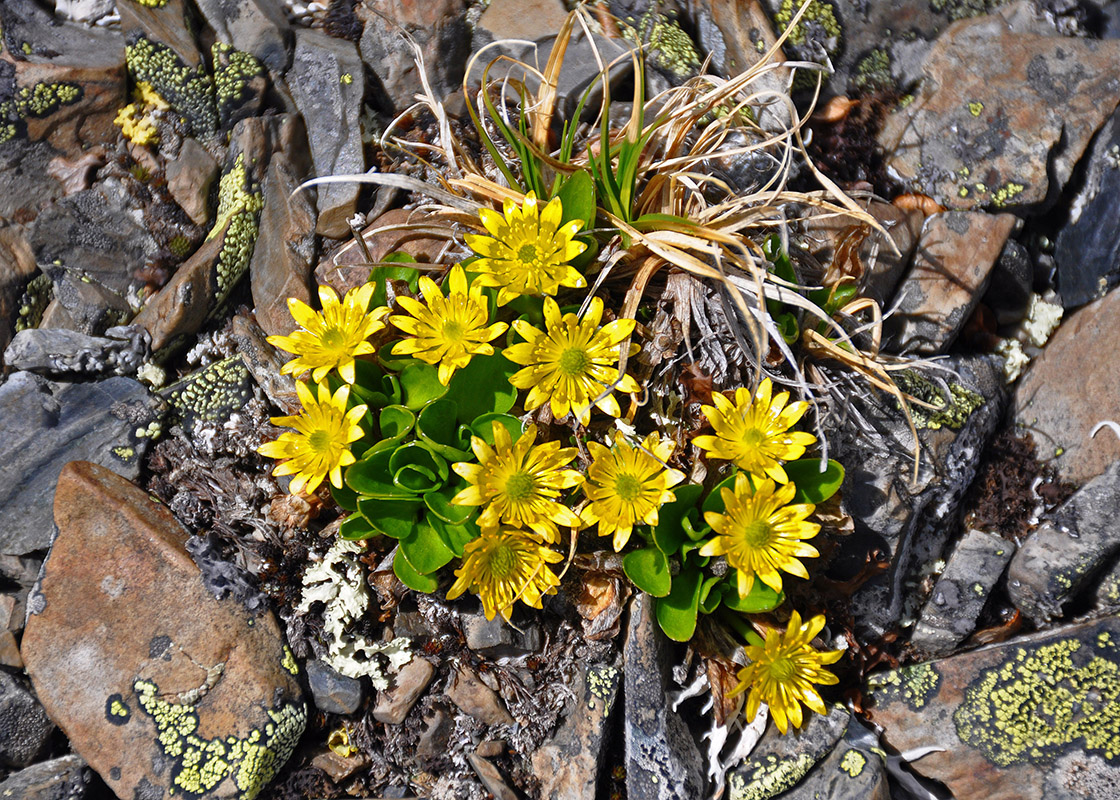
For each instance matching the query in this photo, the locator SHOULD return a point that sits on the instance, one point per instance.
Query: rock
(85, 307)
(337, 767)
(328, 83)
(522, 19)
(1070, 388)
(9, 651)
(1028, 719)
(67, 84)
(1018, 127)
(909, 521)
(779, 762)
(954, 257)
(476, 699)
(333, 693)
(264, 363)
(190, 176)
(1012, 284)
(17, 266)
(157, 684)
(240, 84)
(568, 765)
(182, 306)
(121, 351)
(346, 268)
(431, 749)
(1061, 556)
(24, 726)
(7, 614)
(285, 252)
(63, 778)
(850, 772)
(409, 683)
(439, 30)
(26, 184)
(491, 778)
(23, 572)
(259, 27)
(662, 759)
(1088, 258)
(167, 24)
(40, 431)
(210, 395)
(962, 591)
(494, 638)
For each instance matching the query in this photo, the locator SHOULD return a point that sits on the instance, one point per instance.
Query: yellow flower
(449, 330)
(528, 250)
(519, 483)
(572, 364)
(756, 435)
(332, 338)
(761, 533)
(320, 444)
(627, 485)
(782, 673)
(504, 565)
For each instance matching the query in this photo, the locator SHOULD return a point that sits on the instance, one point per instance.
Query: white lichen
(1014, 359)
(338, 582)
(1042, 320)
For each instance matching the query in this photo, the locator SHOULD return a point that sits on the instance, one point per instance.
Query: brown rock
(265, 362)
(338, 767)
(9, 651)
(953, 261)
(998, 136)
(491, 778)
(523, 19)
(285, 251)
(189, 178)
(1071, 387)
(166, 24)
(17, 265)
(409, 683)
(7, 613)
(475, 698)
(158, 685)
(1028, 719)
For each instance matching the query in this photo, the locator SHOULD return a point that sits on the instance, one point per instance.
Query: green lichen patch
(962, 403)
(38, 101)
(235, 73)
(289, 662)
(963, 9)
(817, 36)
(852, 763)
(768, 776)
(914, 685)
(670, 49)
(34, 301)
(199, 764)
(1039, 704)
(873, 72)
(211, 395)
(602, 683)
(117, 711)
(189, 91)
(239, 205)
(151, 3)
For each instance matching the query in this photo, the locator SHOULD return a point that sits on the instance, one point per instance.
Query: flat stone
(166, 23)
(190, 175)
(431, 748)
(259, 27)
(333, 693)
(953, 260)
(1071, 387)
(337, 767)
(9, 651)
(1062, 556)
(65, 778)
(17, 266)
(409, 684)
(24, 725)
(1027, 719)
(61, 352)
(40, 432)
(850, 772)
(475, 698)
(157, 684)
(285, 251)
(1018, 126)
(522, 19)
(26, 182)
(568, 765)
(662, 759)
(328, 83)
(264, 363)
(7, 613)
(960, 594)
(491, 778)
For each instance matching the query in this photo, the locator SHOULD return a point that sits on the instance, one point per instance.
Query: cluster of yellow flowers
(519, 485)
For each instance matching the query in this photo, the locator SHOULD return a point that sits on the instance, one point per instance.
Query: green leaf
(356, 527)
(455, 536)
(483, 427)
(388, 360)
(814, 486)
(378, 276)
(711, 594)
(393, 518)
(410, 577)
(578, 198)
(648, 569)
(437, 426)
(420, 385)
(346, 497)
(677, 613)
(395, 423)
(371, 477)
(760, 599)
(416, 468)
(439, 503)
(668, 535)
(425, 550)
(787, 327)
(483, 387)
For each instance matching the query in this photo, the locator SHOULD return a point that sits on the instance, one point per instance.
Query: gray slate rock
(1062, 555)
(662, 759)
(494, 638)
(26, 184)
(59, 352)
(331, 104)
(41, 430)
(63, 778)
(24, 725)
(962, 591)
(333, 693)
(259, 27)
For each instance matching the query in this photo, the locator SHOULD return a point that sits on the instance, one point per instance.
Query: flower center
(520, 487)
(320, 441)
(757, 533)
(783, 670)
(527, 254)
(753, 438)
(627, 487)
(452, 330)
(333, 339)
(502, 562)
(574, 361)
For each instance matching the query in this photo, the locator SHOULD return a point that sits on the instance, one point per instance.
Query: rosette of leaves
(686, 584)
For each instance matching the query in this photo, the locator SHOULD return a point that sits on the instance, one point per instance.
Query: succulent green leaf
(346, 497)
(648, 569)
(420, 385)
(356, 527)
(425, 550)
(438, 427)
(814, 486)
(669, 535)
(439, 503)
(711, 594)
(379, 275)
(483, 387)
(393, 518)
(410, 577)
(372, 477)
(760, 599)
(483, 428)
(455, 536)
(676, 614)
(395, 423)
